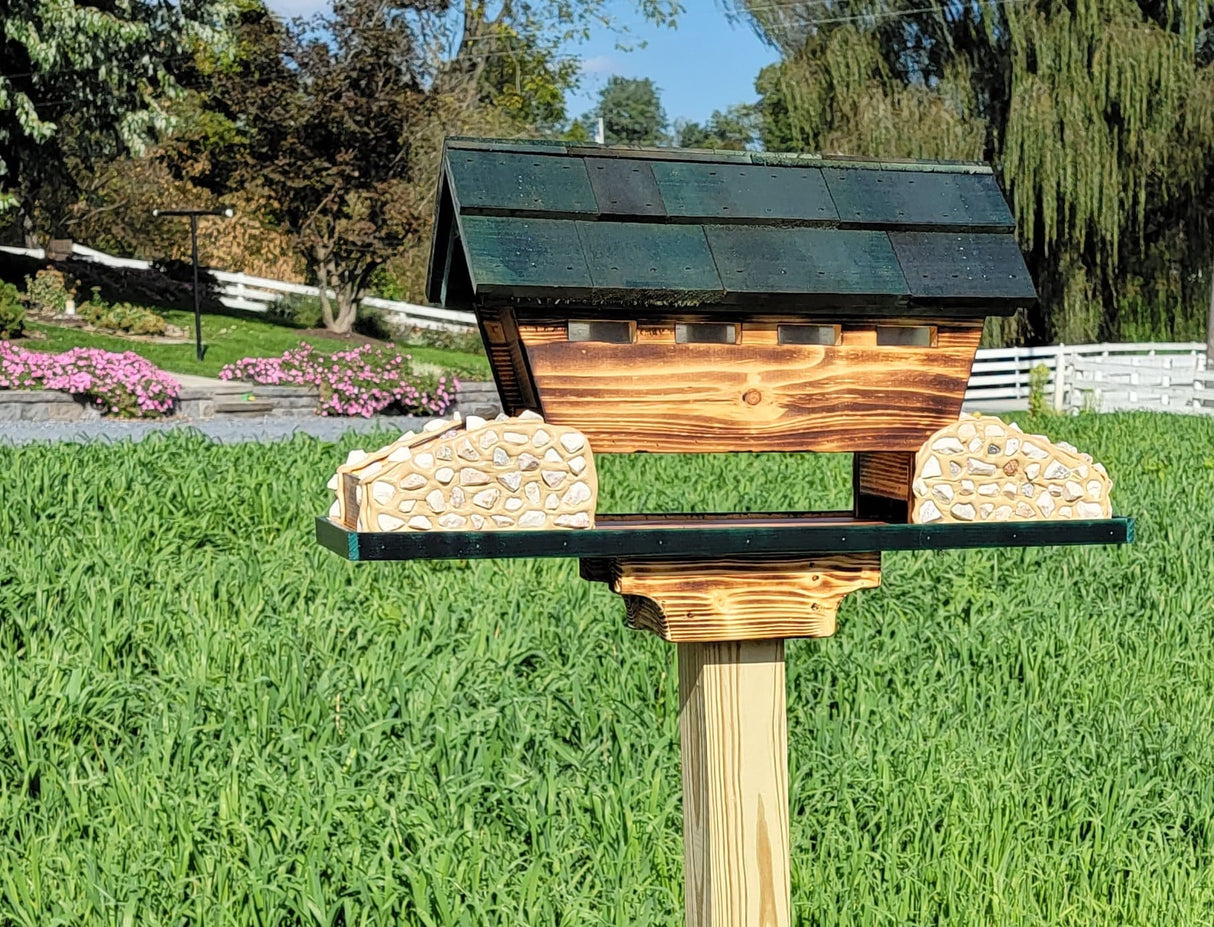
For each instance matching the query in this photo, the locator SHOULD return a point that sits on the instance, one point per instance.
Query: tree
(735, 129)
(510, 54)
(336, 123)
(83, 84)
(1097, 114)
(631, 111)
(325, 114)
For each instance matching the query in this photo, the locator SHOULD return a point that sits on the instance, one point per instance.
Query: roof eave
(560, 302)
(444, 216)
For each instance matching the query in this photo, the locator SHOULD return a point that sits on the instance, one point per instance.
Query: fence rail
(1169, 377)
(261, 294)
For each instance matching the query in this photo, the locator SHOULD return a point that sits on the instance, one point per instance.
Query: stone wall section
(984, 470)
(469, 474)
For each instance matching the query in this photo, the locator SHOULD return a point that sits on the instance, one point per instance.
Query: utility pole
(1210, 325)
(193, 215)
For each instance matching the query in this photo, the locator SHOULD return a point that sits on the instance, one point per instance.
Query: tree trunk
(29, 234)
(347, 294)
(341, 289)
(347, 306)
(322, 283)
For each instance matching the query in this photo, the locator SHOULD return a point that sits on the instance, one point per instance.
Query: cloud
(599, 64)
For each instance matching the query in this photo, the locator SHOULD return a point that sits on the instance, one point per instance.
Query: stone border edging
(197, 404)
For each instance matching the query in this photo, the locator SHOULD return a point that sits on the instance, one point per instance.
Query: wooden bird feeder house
(673, 301)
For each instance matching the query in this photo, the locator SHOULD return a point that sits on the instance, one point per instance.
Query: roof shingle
(539, 223)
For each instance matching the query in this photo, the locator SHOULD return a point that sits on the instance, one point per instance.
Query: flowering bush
(119, 384)
(363, 381)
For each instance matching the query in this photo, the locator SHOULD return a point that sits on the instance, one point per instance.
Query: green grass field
(228, 339)
(205, 719)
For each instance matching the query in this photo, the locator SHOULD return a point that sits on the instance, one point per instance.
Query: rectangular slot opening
(906, 336)
(705, 333)
(602, 332)
(808, 334)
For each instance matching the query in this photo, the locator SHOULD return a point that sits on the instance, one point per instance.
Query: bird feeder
(673, 301)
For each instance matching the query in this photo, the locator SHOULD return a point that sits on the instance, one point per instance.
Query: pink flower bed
(363, 381)
(118, 384)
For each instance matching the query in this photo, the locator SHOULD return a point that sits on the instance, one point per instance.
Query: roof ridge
(722, 155)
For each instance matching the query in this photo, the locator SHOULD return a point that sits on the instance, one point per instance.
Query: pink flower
(122, 384)
(362, 381)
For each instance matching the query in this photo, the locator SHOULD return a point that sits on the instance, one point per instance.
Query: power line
(769, 7)
(8, 75)
(874, 15)
(791, 5)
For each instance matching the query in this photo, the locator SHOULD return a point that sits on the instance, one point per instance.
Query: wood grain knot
(752, 397)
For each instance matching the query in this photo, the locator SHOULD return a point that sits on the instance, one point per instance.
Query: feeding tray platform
(728, 535)
(724, 577)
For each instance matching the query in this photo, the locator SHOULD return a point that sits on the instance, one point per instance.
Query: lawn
(230, 338)
(206, 719)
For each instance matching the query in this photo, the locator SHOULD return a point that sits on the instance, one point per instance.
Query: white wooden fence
(1165, 377)
(1098, 377)
(259, 294)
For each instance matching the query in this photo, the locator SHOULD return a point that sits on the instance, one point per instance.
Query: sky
(707, 63)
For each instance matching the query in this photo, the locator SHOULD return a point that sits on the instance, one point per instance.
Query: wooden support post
(732, 600)
(729, 619)
(734, 732)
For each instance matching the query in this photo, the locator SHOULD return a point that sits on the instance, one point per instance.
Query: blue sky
(707, 63)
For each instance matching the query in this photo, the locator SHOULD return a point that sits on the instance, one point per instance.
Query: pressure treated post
(734, 734)
(729, 619)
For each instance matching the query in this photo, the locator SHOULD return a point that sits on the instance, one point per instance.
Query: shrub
(47, 291)
(1039, 378)
(373, 323)
(118, 384)
(12, 313)
(364, 381)
(295, 309)
(464, 342)
(121, 317)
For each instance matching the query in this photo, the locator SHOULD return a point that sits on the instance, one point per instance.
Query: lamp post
(193, 215)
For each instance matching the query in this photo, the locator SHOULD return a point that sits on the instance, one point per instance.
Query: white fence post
(258, 294)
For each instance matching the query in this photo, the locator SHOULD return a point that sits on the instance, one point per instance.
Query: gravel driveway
(225, 432)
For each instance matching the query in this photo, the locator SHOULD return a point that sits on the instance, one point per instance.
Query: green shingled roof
(543, 224)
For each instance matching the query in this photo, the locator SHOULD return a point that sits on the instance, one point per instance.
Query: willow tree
(1097, 114)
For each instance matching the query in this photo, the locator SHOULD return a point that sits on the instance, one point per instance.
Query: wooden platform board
(685, 537)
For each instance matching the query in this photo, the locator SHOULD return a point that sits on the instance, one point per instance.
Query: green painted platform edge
(797, 538)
